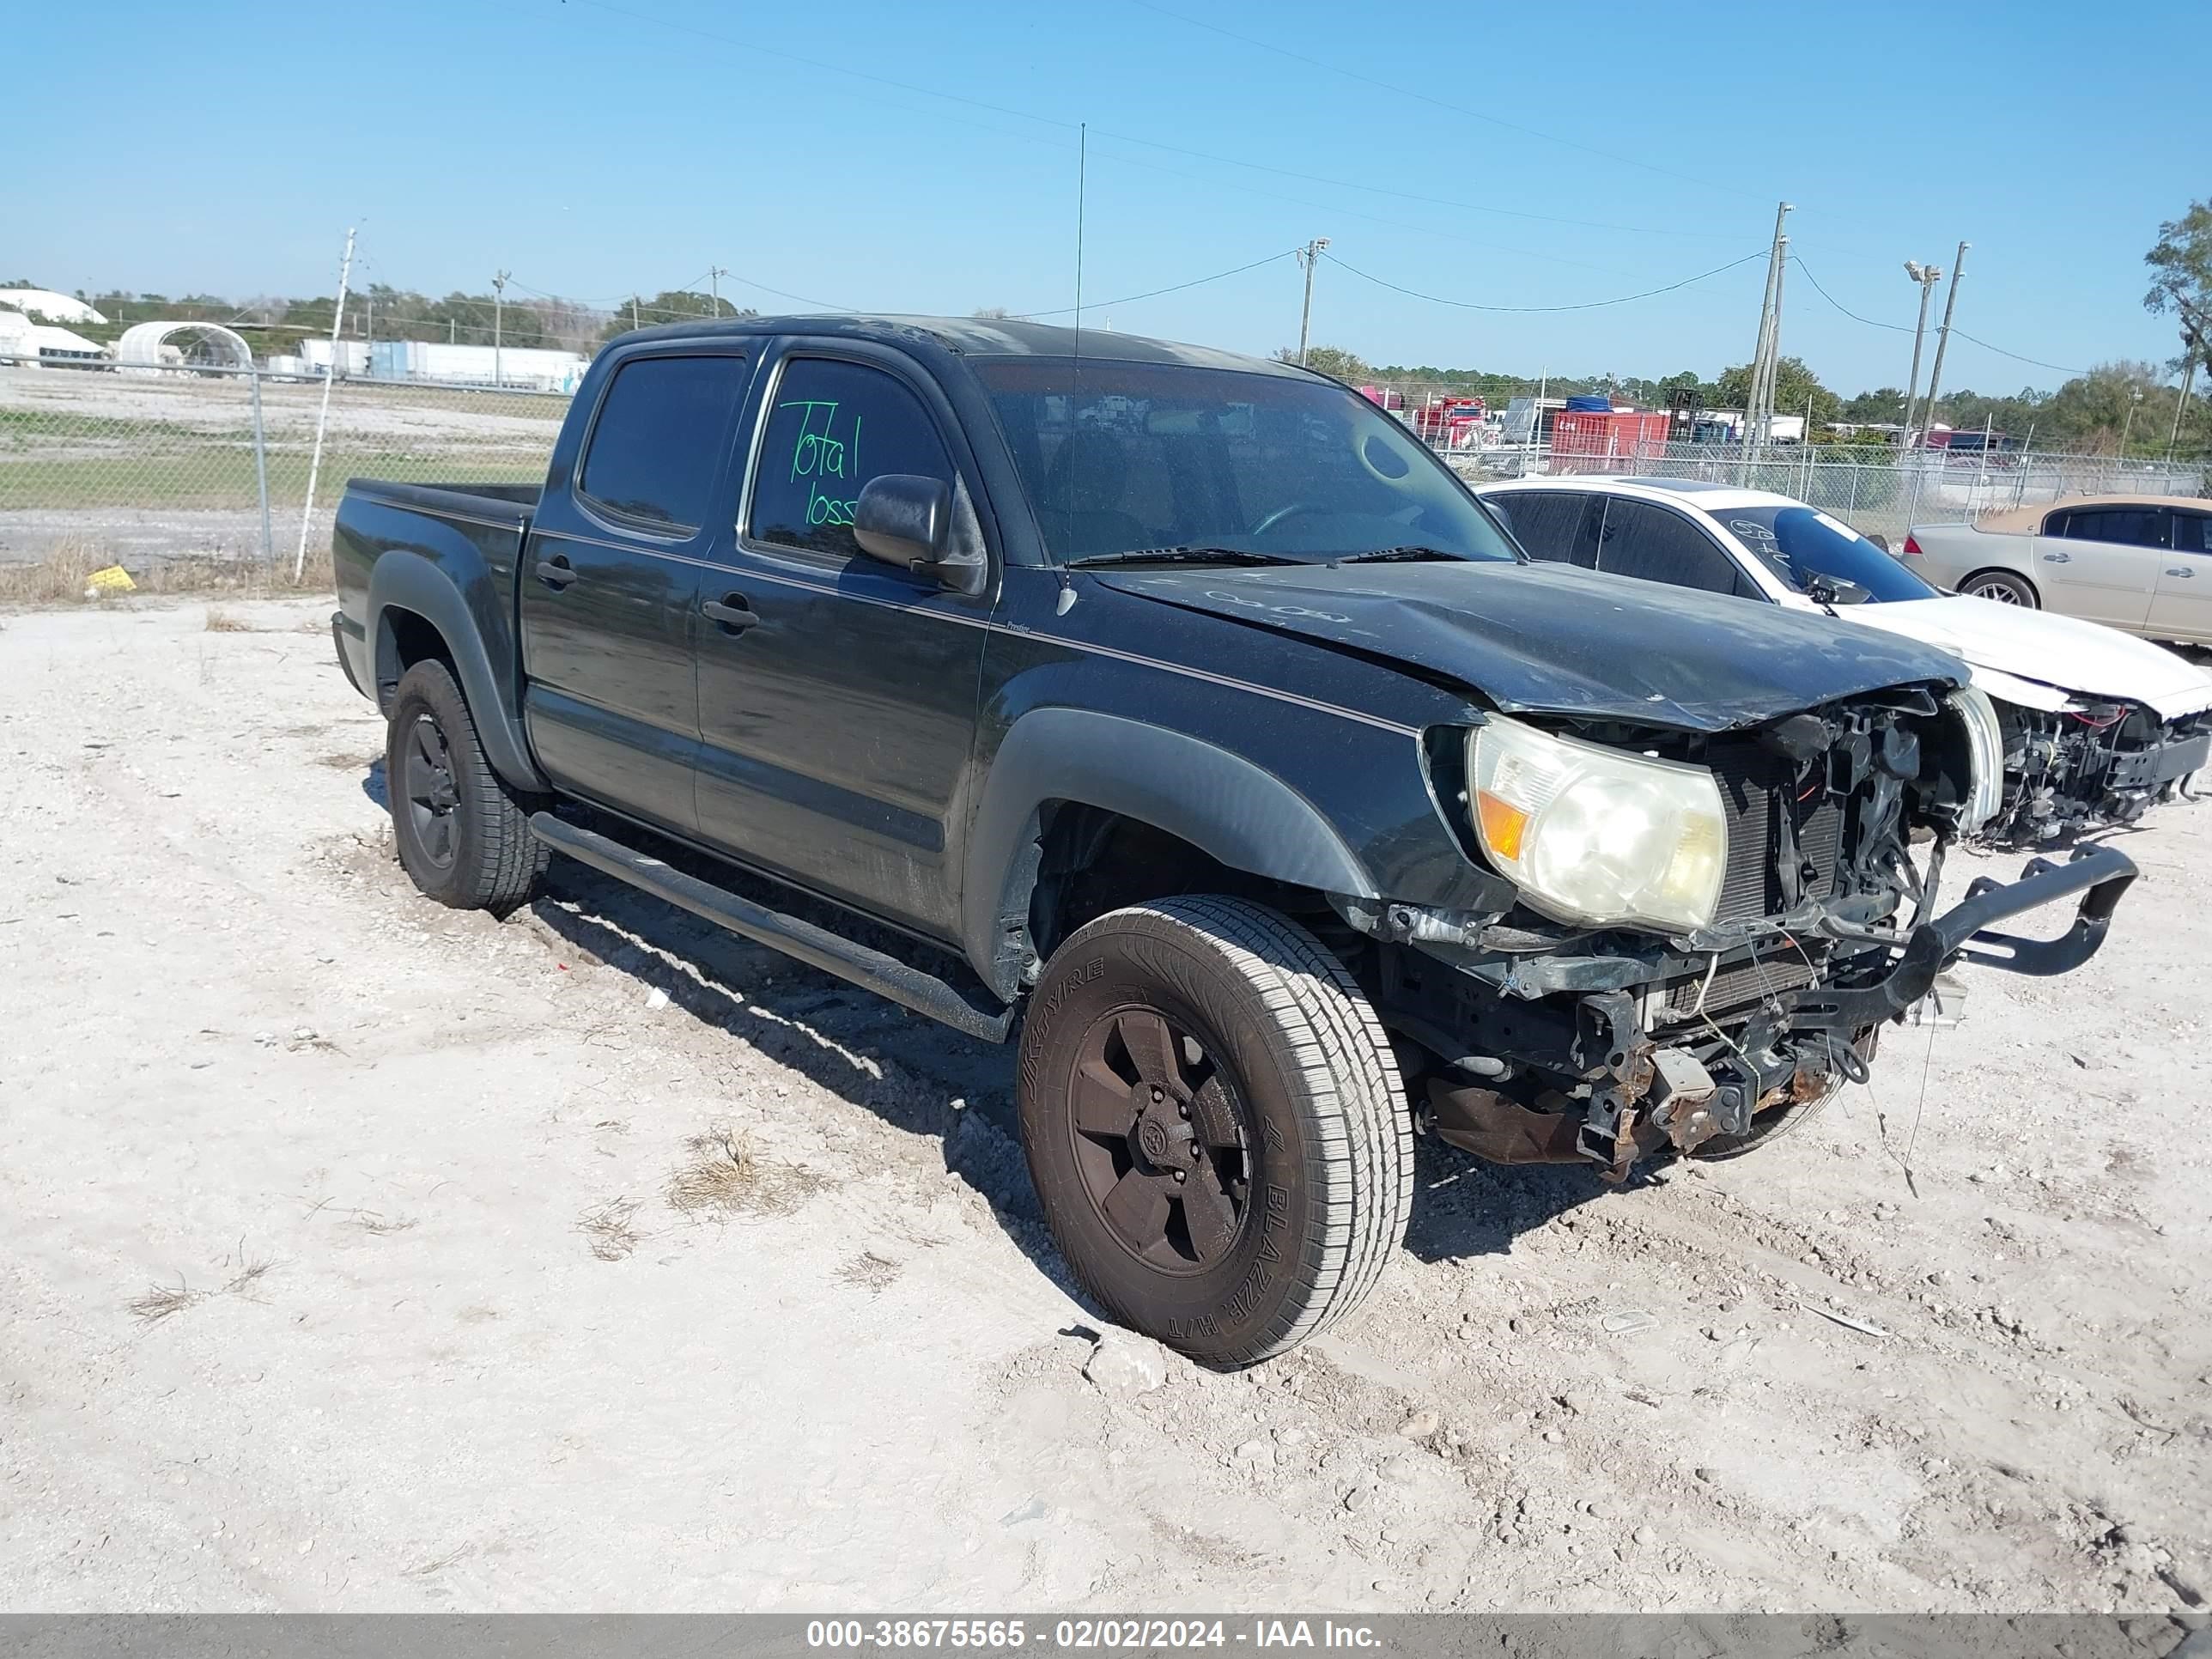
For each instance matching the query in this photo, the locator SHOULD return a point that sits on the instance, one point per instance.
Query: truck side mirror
(903, 518)
(918, 524)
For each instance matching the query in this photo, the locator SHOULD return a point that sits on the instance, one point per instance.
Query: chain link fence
(138, 466)
(1876, 491)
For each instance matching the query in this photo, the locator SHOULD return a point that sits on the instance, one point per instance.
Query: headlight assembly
(1593, 835)
(1986, 747)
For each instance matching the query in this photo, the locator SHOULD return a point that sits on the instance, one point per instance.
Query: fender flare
(1234, 811)
(409, 581)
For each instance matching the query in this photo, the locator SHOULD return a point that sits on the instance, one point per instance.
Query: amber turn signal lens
(1502, 824)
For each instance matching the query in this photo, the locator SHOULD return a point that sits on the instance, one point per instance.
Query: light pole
(2135, 402)
(1925, 277)
(498, 317)
(1309, 256)
(1943, 333)
(714, 275)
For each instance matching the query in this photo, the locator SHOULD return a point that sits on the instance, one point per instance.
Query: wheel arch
(416, 609)
(1235, 813)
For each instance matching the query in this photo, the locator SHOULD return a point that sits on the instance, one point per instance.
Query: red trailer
(1591, 440)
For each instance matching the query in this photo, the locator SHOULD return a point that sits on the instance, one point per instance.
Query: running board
(976, 1013)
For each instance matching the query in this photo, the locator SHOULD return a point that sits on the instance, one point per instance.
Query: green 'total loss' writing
(825, 461)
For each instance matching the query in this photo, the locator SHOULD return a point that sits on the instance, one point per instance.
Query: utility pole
(714, 275)
(1769, 308)
(2135, 402)
(498, 322)
(323, 419)
(1943, 334)
(1309, 256)
(1925, 277)
(2180, 403)
(633, 311)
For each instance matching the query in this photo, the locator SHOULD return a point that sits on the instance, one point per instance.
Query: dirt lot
(362, 1255)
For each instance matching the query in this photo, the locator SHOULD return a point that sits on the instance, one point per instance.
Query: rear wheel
(2001, 586)
(464, 836)
(1214, 1125)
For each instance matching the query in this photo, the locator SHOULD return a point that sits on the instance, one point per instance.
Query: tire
(2002, 587)
(1245, 1056)
(464, 836)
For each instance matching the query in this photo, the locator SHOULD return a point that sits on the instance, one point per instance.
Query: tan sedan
(2139, 562)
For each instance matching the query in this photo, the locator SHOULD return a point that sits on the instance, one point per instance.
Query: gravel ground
(366, 1255)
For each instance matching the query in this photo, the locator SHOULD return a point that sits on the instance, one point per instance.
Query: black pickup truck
(1181, 713)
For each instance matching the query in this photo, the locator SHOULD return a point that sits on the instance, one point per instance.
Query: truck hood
(1552, 639)
(2080, 658)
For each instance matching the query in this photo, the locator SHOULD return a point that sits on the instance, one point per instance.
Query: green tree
(1330, 360)
(1794, 384)
(670, 305)
(2181, 281)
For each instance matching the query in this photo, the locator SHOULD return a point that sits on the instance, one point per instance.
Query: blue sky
(594, 147)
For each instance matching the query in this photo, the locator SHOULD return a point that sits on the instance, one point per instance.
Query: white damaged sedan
(2097, 723)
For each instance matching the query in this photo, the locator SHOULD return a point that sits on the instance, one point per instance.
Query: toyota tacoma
(1181, 716)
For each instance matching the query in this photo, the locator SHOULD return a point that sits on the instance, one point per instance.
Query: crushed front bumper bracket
(2100, 874)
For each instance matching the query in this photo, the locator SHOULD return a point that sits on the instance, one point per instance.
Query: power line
(1587, 305)
(1457, 109)
(2056, 368)
(1153, 143)
(1154, 294)
(1894, 328)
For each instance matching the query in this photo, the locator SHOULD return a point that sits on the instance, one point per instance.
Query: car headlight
(1985, 748)
(1591, 835)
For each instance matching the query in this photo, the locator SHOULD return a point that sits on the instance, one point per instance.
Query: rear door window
(2125, 526)
(1659, 544)
(2192, 532)
(658, 440)
(1548, 523)
(832, 426)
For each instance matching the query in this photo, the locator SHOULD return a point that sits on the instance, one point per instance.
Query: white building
(530, 368)
(45, 306)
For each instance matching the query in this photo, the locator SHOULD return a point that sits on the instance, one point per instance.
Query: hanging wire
(1587, 305)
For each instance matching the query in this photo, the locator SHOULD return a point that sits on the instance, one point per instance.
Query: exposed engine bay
(1534, 1041)
(2090, 765)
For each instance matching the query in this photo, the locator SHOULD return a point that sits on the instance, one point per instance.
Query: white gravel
(347, 1266)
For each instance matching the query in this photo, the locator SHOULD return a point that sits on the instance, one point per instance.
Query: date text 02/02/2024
(1087, 1634)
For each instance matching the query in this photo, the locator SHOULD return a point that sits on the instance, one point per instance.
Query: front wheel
(2001, 586)
(464, 836)
(1215, 1126)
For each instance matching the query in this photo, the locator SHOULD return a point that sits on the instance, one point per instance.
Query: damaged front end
(2091, 765)
(1537, 1036)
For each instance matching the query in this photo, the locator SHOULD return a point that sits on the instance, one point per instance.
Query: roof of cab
(982, 337)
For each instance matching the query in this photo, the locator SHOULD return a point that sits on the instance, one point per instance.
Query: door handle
(2058, 558)
(554, 572)
(730, 613)
(2179, 570)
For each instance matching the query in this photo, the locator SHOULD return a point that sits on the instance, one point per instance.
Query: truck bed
(503, 499)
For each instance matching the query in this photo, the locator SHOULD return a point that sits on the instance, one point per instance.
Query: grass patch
(724, 1175)
(870, 1272)
(227, 622)
(608, 1226)
(61, 577)
(160, 1302)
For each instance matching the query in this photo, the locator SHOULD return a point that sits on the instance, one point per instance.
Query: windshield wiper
(1404, 555)
(1181, 556)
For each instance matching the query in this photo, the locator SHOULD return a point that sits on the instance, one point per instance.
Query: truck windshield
(1118, 457)
(1799, 543)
